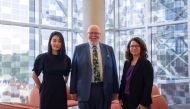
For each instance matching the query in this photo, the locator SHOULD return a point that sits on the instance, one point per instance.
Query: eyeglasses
(93, 33)
(134, 46)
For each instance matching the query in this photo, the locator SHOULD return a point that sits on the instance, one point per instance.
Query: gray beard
(93, 43)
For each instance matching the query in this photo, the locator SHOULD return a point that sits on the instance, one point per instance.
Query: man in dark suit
(94, 79)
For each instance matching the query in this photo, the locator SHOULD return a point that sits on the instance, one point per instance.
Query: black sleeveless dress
(53, 87)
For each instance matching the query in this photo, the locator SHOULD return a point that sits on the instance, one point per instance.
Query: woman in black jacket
(137, 78)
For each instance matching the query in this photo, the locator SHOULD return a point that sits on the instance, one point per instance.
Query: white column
(94, 13)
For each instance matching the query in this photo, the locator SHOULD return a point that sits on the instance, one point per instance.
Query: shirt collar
(98, 45)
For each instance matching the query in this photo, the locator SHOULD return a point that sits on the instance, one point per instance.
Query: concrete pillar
(94, 13)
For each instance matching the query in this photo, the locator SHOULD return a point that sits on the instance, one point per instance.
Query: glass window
(77, 39)
(109, 14)
(78, 14)
(169, 58)
(109, 38)
(131, 12)
(169, 52)
(18, 10)
(168, 10)
(15, 62)
(54, 13)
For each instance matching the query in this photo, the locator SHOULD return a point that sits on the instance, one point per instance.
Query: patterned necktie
(96, 64)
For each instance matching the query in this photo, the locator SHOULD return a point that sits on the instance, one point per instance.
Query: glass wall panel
(109, 14)
(18, 10)
(15, 62)
(168, 10)
(109, 38)
(69, 44)
(54, 13)
(78, 14)
(131, 12)
(78, 38)
(170, 61)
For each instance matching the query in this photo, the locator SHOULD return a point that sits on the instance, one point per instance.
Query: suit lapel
(103, 54)
(88, 55)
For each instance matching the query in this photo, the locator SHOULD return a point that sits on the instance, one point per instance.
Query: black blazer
(141, 83)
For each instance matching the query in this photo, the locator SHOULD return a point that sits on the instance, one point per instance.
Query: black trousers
(127, 104)
(97, 99)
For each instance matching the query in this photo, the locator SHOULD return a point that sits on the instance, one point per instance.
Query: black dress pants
(97, 99)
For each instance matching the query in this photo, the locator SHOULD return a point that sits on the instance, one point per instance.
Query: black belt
(97, 83)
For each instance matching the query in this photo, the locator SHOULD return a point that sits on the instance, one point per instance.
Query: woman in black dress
(55, 66)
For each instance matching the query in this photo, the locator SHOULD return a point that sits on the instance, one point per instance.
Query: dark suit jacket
(81, 73)
(141, 83)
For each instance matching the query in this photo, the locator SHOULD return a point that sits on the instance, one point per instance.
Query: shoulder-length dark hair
(143, 49)
(62, 51)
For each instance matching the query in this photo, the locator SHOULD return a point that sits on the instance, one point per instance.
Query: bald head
(94, 34)
(94, 27)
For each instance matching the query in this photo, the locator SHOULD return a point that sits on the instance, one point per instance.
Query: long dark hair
(143, 49)
(62, 51)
